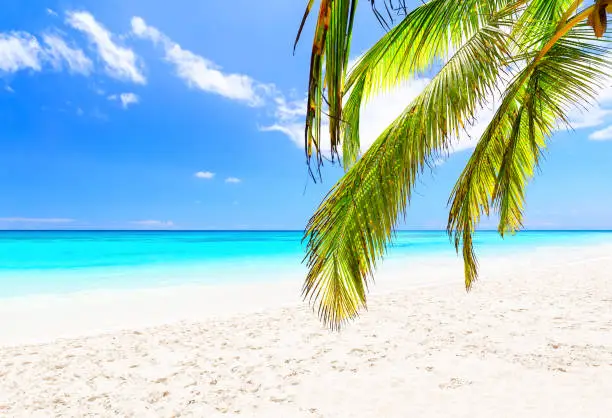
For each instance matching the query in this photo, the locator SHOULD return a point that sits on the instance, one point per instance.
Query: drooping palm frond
(566, 72)
(328, 62)
(560, 60)
(533, 28)
(426, 36)
(353, 225)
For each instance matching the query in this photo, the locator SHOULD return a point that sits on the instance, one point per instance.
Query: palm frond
(425, 37)
(328, 62)
(353, 225)
(428, 33)
(540, 18)
(565, 73)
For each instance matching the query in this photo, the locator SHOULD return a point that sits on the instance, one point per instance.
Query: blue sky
(133, 114)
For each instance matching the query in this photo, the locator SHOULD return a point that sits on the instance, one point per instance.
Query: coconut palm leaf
(412, 47)
(330, 50)
(566, 73)
(551, 55)
(353, 225)
(422, 38)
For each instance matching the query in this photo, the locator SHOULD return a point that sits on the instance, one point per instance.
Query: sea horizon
(34, 262)
(288, 230)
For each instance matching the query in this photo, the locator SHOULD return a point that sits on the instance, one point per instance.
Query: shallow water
(35, 262)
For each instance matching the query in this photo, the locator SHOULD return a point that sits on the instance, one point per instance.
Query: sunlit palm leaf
(559, 62)
(353, 225)
(425, 37)
(504, 160)
(328, 62)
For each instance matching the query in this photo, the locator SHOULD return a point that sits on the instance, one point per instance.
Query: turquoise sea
(42, 262)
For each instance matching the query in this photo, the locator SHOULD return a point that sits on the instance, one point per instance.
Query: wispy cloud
(151, 223)
(59, 54)
(120, 62)
(204, 175)
(98, 114)
(22, 51)
(51, 12)
(38, 220)
(233, 180)
(197, 71)
(594, 115)
(602, 135)
(19, 51)
(126, 99)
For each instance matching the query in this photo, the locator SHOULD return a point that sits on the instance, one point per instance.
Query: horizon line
(282, 230)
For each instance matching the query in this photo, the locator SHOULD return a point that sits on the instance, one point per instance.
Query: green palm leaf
(568, 74)
(554, 56)
(353, 225)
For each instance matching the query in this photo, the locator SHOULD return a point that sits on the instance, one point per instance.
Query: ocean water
(43, 262)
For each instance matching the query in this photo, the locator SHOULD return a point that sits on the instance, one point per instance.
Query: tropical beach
(329, 208)
(532, 338)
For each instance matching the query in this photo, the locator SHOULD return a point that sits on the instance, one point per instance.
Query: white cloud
(9, 89)
(294, 131)
(38, 220)
(381, 110)
(588, 118)
(233, 180)
(51, 12)
(605, 96)
(200, 73)
(376, 115)
(289, 119)
(126, 99)
(19, 51)
(120, 62)
(204, 175)
(594, 115)
(602, 135)
(58, 51)
(154, 223)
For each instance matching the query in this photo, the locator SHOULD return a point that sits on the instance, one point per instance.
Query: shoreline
(532, 339)
(39, 319)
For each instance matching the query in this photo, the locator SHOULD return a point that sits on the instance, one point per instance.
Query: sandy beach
(533, 339)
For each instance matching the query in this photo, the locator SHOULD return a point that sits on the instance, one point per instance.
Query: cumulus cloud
(59, 54)
(120, 62)
(197, 71)
(204, 175)
(19, 51)
(233, 180)
(126, 99)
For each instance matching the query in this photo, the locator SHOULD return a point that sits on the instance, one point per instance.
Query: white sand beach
(533, 339)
